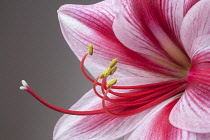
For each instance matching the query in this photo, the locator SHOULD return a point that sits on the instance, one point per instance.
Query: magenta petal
(195, 23)
(156, 126)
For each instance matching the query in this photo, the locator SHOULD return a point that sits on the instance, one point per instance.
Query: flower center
(129, 101)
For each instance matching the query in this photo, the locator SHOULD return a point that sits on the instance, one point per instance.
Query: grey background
(33, 49)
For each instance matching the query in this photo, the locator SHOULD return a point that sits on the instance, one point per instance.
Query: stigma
(129, 101)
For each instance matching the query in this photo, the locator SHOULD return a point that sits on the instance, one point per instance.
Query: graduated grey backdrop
(33, 49)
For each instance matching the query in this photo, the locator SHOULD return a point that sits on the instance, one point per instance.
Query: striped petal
(101, 126)
(192, 112)
(152, 27)
(92, 24)
(156, 126)
(195, 23)
(200, 51)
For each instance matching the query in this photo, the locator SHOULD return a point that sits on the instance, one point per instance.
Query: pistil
(142, 98)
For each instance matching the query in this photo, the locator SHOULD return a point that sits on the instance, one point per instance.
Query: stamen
(90, 49)
(111, 83)
(101, 76)
(144, 96)
(152, 89)
(83, 69)
(119, 87)
(107, 72)
(103, 85)
(94, 88)
(113, 63)
(142, 108)
(113, 70)
(147, 85)
(110, 70)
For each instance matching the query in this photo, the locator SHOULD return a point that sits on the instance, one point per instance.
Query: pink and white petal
(133, 32)
(156, 126)
(200, 51)
(151, 29)
(189, 4)
(92, 24)
(192, 112)
(96, 127)
(196, 23)
(101, 126)
(89, 24)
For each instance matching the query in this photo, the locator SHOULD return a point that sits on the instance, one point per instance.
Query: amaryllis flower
(162, 77)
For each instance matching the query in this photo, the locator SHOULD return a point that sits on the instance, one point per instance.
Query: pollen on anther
(101, 76)
(90, 49)
(111, 83)
(113, 70)
(107, 72)
(113, 63)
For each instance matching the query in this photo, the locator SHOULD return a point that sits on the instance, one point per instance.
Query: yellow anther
(113, 63)
(90, 49)
(101, 76)
(110, 70)
(107, 72)
(113, 70)
(111, 83)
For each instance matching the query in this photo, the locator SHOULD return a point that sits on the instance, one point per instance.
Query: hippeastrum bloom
(161, 87)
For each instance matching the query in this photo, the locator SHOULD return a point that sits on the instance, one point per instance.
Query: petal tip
(62, 9)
